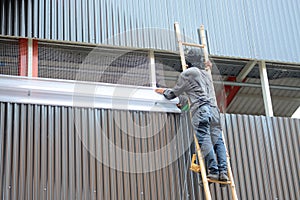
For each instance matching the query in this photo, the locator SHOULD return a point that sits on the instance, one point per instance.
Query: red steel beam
(231, 91)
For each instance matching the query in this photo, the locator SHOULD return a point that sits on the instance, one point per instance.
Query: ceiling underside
(249, 100)
(284, 80)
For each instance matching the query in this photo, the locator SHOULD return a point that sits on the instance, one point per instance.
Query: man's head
(195, 58)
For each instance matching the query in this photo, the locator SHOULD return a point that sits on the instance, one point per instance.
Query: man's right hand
(208, 65)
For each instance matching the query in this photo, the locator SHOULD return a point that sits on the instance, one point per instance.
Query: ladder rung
(221, 182)
(192, 44)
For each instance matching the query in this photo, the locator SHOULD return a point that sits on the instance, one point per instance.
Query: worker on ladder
(197, 84)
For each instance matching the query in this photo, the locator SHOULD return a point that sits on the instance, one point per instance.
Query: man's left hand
(160, 90)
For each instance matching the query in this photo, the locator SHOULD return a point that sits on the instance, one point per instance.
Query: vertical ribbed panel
(53, 152)
(250, 29)
(264, 154)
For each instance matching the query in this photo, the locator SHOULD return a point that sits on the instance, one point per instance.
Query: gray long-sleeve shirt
(196, 84)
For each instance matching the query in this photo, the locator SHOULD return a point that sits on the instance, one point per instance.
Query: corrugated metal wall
(53, 152)
(266, 30)
(265, 156)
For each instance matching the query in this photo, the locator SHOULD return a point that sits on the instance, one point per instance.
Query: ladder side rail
(230, 174)
(181, 52)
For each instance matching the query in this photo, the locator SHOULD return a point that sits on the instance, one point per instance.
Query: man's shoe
(213, 177)
(223, 177)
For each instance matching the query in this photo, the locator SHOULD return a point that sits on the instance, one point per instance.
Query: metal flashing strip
(83, 94)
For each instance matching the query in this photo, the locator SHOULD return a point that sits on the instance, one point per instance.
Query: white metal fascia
(83, 94)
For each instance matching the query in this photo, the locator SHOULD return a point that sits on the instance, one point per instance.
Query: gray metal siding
(257, 29)
(265, 156)
(49, 152)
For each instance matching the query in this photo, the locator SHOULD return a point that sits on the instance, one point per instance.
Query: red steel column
(23, 53)
(35, 53)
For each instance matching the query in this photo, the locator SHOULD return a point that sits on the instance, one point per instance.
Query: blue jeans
(206, 122)
(217, 139)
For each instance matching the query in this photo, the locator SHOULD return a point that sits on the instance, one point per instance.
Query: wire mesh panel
(59, 62)
(9, 56)
(167, 68)
(95, 64)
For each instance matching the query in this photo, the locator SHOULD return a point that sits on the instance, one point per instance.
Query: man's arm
(177, 90)
(168, 93)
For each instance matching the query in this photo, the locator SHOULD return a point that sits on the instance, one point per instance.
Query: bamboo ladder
(194, 166)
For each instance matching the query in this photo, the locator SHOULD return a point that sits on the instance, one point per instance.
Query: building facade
(79, 118)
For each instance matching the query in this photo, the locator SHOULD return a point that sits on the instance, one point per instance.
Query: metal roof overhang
(83, 94)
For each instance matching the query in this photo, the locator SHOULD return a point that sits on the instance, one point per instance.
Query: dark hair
(195, 58)
(189, 64)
